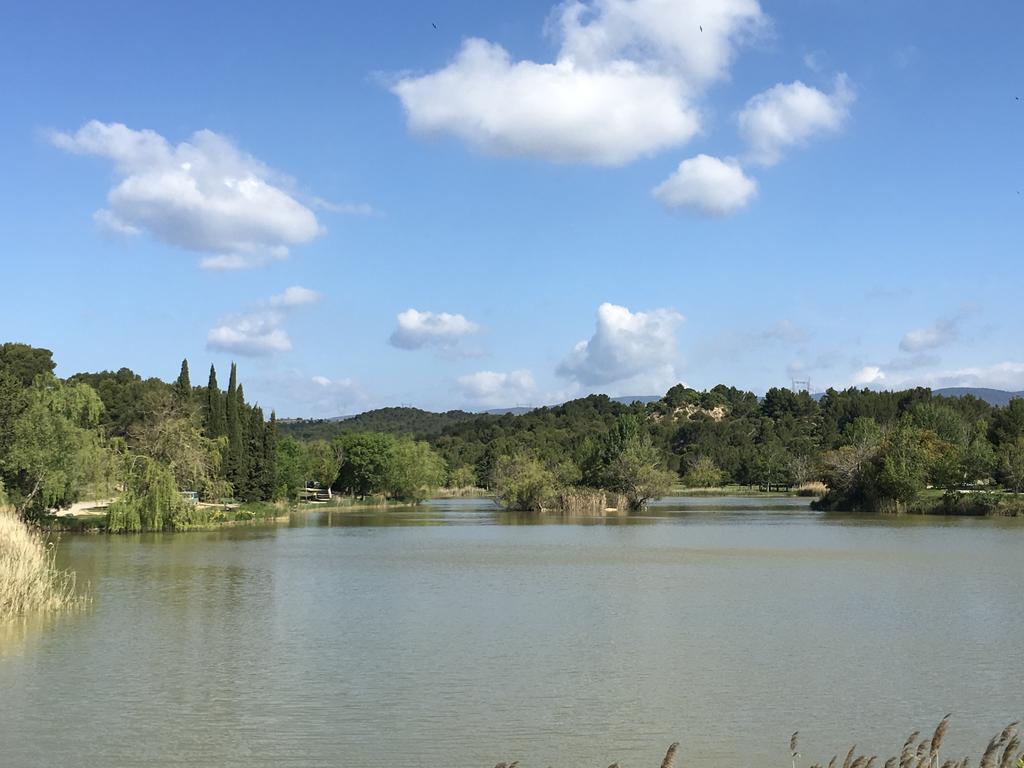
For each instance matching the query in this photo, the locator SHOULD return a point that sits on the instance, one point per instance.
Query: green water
(455, 635)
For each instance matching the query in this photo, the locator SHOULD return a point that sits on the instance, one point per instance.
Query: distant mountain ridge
(1000, 397)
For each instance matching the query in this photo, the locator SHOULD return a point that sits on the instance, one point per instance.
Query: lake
(457, 635)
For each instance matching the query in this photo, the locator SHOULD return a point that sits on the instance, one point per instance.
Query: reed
(29, 579)
(1003, 751)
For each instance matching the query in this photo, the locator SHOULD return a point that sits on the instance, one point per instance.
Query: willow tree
(54, 448)
(151, 501)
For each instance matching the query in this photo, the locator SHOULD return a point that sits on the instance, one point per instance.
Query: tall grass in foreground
(29, 579)
(1003, 751)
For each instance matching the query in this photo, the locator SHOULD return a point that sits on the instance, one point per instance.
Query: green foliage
(25, 363)
(414, 470)
(392, 421)
(703, 474)
(523, 483)
(52, 448)
(151, 501)
(366, 462)
(462, 477)
(183, 385)
(322, 463)
(1011, 464)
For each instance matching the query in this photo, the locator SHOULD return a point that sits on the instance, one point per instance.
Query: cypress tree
(182, 385)
(215, 418)
(233, 466)
(268, 486)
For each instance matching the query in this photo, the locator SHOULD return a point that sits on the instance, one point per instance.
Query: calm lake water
(456, 635)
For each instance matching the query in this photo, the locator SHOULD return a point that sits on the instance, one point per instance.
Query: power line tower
(801, 385)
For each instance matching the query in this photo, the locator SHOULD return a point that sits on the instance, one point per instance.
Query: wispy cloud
(260, 331)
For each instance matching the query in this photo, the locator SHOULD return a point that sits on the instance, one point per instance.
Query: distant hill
(999, 397)
(395, 421)
(415, 421)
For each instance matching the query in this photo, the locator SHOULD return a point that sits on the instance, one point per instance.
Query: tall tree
(182, 385)
(215, 418)
(234, 465)
(268, 481)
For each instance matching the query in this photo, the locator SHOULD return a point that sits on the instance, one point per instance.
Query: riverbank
(934, 501)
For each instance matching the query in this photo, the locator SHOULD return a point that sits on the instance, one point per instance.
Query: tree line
(145, 441)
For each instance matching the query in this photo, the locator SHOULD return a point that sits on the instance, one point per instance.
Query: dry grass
(815, 489)
(1003, 751)
(29, 579)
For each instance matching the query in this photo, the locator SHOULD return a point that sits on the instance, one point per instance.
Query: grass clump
(1002, 751)
(29, 579)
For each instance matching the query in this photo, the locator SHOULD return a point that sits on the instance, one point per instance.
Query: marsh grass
(29, 578)
(1003, 751)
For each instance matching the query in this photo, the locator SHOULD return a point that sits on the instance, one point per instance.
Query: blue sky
(528, 203)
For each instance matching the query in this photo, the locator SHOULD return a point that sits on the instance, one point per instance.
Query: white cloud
(707, 185)
(1007, 375)
(943, 331)
(295, 296)
(260, 331)
(622, 86)
(253, 334)
(420, 329)
(349, 209)
(868, 375)
(790, 114)
(491, 389)
(626, 346)
(204, 195)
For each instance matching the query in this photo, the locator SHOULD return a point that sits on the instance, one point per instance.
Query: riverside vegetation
(1002, 751)
(145, 441)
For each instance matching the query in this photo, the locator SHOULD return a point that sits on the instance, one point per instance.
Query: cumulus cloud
(204, 195)
(626, 345)
(867, 376)
(295, 296)
(707, 185)
(439, 329)
(491, 389)
(260, 331)
(791, 114)
(942, 332)
(623, 85)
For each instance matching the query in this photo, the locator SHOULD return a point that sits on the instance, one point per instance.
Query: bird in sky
(701, 28)
(433, 25)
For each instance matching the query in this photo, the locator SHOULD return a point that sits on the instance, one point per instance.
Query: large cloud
(420, 329)
(204, 195)
(623, 84)
(493, 389)
(707, 185)
(259, 331)
(790, 114)
(942, 332)
(626, 345)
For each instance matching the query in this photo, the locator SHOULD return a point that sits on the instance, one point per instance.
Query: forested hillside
(144, 441)
(392, 421)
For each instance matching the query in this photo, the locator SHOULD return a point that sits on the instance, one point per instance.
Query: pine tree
(183, 386)
(214, 415)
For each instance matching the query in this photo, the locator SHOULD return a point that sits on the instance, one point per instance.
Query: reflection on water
(455, 634)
